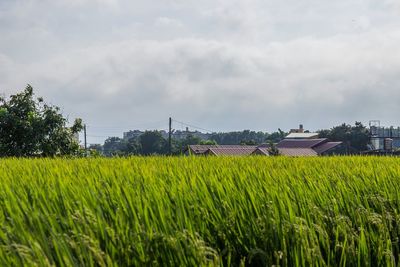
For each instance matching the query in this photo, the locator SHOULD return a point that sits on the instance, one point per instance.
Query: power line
(193, 126)
(146, 124)
(89, 135)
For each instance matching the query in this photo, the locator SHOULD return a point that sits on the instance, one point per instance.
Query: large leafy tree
(30, 127)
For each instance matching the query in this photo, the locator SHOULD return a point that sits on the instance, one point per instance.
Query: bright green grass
(200, 211)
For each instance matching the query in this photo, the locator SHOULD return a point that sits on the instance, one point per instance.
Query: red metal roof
(301, 143)
(261, 151)
(326, 146)
(287, 147)
(298, 152)
(232, 151)
(201, 149)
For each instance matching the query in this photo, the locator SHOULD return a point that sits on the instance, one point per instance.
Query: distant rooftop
(235, 151)
(302, 135)
(306, 146)
(297, 152)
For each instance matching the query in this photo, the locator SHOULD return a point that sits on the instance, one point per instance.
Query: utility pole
(170, 136)
(84, 133)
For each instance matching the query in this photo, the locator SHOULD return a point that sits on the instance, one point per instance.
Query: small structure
(301, 134)
(300, 130)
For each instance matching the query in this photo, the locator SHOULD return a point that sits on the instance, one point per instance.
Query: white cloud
(225, 64)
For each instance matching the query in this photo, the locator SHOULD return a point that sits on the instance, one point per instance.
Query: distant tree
(248, 142)
(355, 138)
(360, 136)
(181, 145)
(114, 146)
(152, 142)
(95, 150)
(273, 150)
(30, 127)
(133, 147)
(236, 138)
(276, 137)
(191, 140)
(208, 142)
(325, 133)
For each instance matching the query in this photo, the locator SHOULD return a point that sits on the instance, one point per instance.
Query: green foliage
(152, 143)
(247, 137)
(355, 138)
(208, 142)
(29, 127)
(273, 150)
(198, 211)
(149, 143)
(114, 146)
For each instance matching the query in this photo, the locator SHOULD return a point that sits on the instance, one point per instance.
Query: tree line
(31, 128)
(153, 142)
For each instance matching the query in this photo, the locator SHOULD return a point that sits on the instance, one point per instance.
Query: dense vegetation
(200, 211)
(355, 138)
(31, 128)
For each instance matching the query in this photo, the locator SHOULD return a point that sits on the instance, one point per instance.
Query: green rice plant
(200, 211)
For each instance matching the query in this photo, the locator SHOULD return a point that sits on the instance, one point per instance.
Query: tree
(208, 142)
(356, 137)
(179, 146)
(236, 138)
(30, 127)
(276, 137)
(114, 146)
(152, 142)
(273, 150)
(248, 143)
(95, 150)
(133, 147)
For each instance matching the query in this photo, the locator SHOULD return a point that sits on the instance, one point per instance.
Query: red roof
(261, 151)
(231, 151)
(301, 143)
(287, 147)
(326, 146)
(201, 149)
(319, 146)
(298, 152)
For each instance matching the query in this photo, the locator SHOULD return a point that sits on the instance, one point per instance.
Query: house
(237, 151)
(226, 150)
(287, 147)
(309, 147)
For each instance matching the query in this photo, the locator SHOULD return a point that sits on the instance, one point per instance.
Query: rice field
(200, 211)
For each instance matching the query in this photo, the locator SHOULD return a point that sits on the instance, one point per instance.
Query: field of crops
(200, 211)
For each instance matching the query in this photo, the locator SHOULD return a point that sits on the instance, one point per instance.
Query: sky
(221, 65)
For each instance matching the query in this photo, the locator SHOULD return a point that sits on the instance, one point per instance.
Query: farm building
(287, 147)
(309, 147)
(226, 150)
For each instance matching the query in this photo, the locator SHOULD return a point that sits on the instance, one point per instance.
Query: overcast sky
(218, 64)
